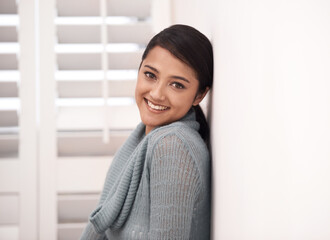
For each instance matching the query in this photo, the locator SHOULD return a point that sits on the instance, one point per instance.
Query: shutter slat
(8, 61)
(8, 34)
(8, 89)
(78, 8)
(78, 34)
(9, 112)
(8, 118)
(79, 61)
(138, 8)
(97, 75)
(89, 143)
(89, 89)
(117, 33)
(142, 32)
(9, 232)
(70, 230)
(9, 209)
(12, 76)
(92, 118)
(73, 179)
(9, 172)
(92, 61)
(8, 146)
(76, 208)
(8, 7)
(125, 60)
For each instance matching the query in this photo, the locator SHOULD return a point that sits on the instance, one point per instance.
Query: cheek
(138, 88)
(183, 102)
(142, 86)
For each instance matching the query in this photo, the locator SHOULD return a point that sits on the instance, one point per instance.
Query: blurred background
(67, 77)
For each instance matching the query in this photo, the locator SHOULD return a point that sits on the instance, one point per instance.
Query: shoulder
(179, 138)
(178, 148)
(177, 132)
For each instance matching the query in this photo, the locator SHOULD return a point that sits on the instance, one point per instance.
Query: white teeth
(156, 107)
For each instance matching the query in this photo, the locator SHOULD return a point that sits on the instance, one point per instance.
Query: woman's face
(166, 89)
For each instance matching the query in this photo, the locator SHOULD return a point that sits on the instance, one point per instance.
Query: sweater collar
(189, 119)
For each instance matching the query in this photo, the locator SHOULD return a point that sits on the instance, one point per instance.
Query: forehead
(163, 60)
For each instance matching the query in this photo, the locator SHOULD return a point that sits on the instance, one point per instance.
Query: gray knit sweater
(158, 187)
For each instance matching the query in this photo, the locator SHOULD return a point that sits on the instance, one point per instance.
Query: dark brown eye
(178, 85)
(149, 75)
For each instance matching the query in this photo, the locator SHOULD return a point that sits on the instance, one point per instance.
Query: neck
(148, 129)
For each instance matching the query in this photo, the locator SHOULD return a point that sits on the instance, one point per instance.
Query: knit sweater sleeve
(174, 188)
(89, 233)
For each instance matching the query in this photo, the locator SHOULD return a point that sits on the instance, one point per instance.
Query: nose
(157, 92)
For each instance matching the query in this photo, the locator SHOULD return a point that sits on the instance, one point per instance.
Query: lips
(156, 107)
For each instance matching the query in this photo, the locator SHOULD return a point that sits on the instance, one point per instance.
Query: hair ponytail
(204, 129)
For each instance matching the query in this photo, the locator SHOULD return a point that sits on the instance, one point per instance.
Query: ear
(200, 96)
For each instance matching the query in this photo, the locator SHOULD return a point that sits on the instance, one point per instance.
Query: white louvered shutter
(94, 114)
(9, 78)
(55, 151)
(18, 155)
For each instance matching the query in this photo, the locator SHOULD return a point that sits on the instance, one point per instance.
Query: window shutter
(88, 75)
(18, 161)
(9, 106)
(96, 110)
(9, 78)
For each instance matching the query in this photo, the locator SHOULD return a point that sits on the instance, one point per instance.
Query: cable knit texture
(158, 187)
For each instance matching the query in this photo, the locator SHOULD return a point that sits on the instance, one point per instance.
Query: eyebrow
(174, 76)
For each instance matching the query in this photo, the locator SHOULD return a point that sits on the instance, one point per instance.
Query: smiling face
(166, 89)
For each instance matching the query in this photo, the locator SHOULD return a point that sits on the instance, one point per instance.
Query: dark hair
(194, 49)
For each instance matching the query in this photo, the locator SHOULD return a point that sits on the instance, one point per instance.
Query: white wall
(270, 116)
(271, 119)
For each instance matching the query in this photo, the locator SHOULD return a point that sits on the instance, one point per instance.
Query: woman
(158, 186)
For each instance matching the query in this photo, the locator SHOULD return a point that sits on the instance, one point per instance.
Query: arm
(174, 187)
(90, 234)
